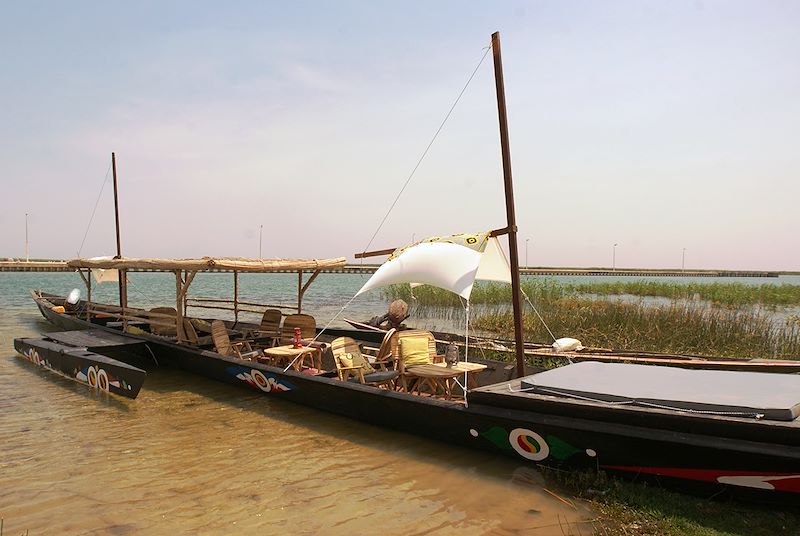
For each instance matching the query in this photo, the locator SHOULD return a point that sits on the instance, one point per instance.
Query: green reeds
(720, 293)
(544, 290)
(675, 328)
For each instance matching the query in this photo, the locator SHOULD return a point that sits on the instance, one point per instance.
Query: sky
(668, 128)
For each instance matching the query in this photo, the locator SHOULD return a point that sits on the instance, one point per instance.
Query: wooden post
(87, 280)
(178, 306)
(299, 292)
(304, 287)
(89, 295)
(235, 297)
(510, 214)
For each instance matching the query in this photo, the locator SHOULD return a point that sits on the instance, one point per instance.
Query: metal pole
(260, 234)
(614, 258)
(509, 191)
(683, 260)
(27, 258)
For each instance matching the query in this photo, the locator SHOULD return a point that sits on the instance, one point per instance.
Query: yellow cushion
(414, 351)
(346, 360)
(359, 361)
(201, 325)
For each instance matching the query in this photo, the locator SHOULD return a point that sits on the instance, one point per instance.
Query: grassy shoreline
(732, 320)
(681, 326)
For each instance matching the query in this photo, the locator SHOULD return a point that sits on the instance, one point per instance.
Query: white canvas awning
(451, 262)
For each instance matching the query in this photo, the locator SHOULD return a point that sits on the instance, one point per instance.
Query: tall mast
(510, 214)
(123, 289)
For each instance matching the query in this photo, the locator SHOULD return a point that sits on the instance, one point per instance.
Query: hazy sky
(654, 125)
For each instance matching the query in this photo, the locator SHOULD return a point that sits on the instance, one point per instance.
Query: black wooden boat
(724, 447)
(743, 443)
(82, 356)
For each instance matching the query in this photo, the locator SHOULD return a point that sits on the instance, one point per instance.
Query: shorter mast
(510, 213)
(122, 274)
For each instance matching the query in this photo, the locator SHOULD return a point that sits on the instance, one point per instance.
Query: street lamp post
(27, 258)
(526, 252)
(260, 234)
(683, 260)
(614, 257)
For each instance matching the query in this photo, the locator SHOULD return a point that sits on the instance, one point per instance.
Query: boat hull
(671, 445)
(89, 368)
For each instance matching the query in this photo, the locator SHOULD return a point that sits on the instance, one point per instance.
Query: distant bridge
(60, 266)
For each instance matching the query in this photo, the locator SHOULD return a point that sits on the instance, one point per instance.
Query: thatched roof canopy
(211, 264)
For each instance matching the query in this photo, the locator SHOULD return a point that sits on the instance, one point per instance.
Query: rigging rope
(425, 152)
(102, 186)
(527, 299)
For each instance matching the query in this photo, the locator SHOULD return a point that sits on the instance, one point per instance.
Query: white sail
(452, 263)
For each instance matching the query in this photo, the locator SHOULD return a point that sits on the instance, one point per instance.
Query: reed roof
(211, 264)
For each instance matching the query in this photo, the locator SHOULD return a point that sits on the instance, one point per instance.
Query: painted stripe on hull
(787, 482)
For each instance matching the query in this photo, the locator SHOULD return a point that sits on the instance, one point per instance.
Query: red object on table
(298, 343)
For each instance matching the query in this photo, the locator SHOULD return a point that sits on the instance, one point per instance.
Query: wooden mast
(123, 277)
(510, 214)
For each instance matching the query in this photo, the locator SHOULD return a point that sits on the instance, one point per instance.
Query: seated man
(398, 312)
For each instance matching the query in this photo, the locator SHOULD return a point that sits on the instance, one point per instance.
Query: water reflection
(192, 455)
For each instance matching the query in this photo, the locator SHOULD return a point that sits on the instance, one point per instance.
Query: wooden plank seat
(224, 346)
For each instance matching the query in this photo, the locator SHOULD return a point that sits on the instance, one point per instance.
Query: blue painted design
(263, 381)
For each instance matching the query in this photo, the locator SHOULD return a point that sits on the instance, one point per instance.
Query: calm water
(195, 456)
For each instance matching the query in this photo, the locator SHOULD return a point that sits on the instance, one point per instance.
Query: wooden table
(465, 366)
(296, 356)
(434, 376)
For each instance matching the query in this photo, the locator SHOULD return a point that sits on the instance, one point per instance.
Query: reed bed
(682, 326)
(675, 328)
(543, 290)
(719, 293)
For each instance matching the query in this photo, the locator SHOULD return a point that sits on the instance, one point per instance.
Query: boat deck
(92, 338)
(770, 399)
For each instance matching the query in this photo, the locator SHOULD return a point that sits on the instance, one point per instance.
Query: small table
(296, 356)
(435, 376)
(465, 366)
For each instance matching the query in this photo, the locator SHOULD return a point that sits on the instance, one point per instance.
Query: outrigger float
(724, 429)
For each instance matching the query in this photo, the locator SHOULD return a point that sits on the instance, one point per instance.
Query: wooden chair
(384, 353)
(394, 345)
(271, 325)
(191, 334)
(349, 362)
(407, 373)
(306, 323)
(163, 321)
(224, 346)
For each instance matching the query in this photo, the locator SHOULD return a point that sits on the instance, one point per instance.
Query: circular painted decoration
(260, 379)
(91, 376)
(102, 379)
(528, 444)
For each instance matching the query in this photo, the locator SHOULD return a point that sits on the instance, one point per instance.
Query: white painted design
(754, 481)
